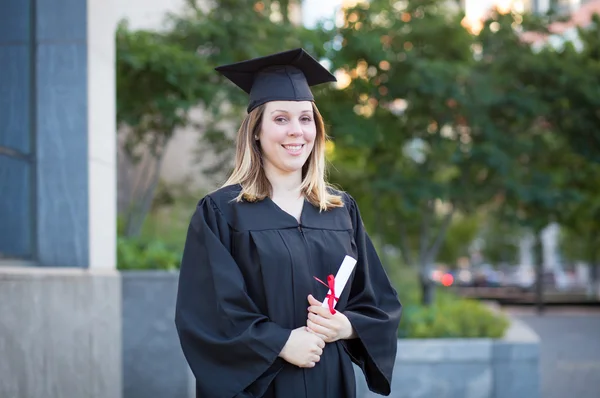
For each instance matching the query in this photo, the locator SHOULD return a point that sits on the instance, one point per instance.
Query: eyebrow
(284, 111)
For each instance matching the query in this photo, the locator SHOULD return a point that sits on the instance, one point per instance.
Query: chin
(292, 167)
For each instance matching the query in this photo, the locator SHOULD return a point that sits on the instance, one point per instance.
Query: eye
(280, 119)
(306, 119)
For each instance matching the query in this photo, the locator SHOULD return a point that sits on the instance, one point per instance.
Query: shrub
(137, 254)
(452, 317)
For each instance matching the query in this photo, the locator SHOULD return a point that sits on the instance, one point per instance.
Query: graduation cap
(284, 76)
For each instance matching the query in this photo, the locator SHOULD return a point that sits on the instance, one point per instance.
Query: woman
(259, 250)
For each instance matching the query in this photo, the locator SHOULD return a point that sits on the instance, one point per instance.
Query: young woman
(262, 253)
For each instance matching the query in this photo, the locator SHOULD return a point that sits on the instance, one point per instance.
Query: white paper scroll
(341, 278)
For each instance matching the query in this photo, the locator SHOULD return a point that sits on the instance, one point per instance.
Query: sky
(314, 10)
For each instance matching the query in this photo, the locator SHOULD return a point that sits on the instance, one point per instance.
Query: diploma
(341, 279)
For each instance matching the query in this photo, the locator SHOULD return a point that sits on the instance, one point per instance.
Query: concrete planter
(60, 333)
(466, 368)
(154, 366)
(153, 363)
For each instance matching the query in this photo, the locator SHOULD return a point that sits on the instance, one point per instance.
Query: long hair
(250, 174)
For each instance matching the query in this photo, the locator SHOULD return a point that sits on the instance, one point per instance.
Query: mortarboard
(284, 76)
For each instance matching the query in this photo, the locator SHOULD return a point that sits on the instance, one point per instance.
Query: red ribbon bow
(331, 298)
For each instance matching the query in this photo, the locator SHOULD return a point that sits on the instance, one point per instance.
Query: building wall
(60, 297)
(57, 133)
(60, 334)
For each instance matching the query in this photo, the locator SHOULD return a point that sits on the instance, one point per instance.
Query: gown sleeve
(227, 342)
(374, 311)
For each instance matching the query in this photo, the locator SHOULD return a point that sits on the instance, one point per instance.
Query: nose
(295, 129)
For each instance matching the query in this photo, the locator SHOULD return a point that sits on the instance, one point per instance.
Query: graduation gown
(246, 272)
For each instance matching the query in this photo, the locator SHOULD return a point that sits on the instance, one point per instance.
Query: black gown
(246, 272)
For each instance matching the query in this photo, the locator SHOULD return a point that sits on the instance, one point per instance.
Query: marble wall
(57, 132)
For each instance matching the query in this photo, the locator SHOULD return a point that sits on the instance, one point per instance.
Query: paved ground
(570, 355)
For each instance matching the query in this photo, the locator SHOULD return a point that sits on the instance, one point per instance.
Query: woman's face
(287, 135)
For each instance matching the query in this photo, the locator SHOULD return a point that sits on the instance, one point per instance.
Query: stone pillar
(57, 132)
(102, 152)
(59, 101)
(16, 141)
(60, 292)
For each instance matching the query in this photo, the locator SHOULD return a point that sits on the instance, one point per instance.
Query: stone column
(60, 292)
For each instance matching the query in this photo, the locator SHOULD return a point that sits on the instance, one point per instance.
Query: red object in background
(447, 280)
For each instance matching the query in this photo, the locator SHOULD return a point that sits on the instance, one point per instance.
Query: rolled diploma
(341, 278)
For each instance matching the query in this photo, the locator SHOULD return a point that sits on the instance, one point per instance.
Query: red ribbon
(331, 298)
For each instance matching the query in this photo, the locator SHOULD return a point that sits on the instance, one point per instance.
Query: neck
(284, 184)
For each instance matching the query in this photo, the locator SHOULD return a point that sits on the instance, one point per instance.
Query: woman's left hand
(329, 327)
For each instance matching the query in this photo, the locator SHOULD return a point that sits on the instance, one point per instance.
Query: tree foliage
(433, 117)
(428, 121)
(163, 75)
(158, 83)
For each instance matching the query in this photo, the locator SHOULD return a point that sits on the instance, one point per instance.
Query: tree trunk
(427, 286)
(405, 252)
(139, 211)
(428, 251)
(284, 6)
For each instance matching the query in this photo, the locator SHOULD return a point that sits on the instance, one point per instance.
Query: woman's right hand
(303, 348)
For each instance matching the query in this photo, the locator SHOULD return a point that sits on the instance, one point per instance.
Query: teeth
(293, 147)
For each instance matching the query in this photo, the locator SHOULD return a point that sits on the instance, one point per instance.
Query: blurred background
(468, 132)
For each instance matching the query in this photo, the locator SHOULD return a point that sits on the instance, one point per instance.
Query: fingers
(305, 348)
(322, 311)
(317, 308)
(328, 334)
(313, 301)
(325, 322)
(321, 337)
(321, 343)
(312, 361)
(318, 329)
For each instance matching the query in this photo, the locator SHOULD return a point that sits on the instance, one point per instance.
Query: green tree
(563, 141)
(233, 31)
(461, 235)
(500, 240)
(572, 88)
(534, 184)
(158, 83)
(162, 76)
(427, 125)
(579, 219)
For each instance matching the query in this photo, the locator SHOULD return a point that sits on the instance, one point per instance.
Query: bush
(452, 318)
(138, 254)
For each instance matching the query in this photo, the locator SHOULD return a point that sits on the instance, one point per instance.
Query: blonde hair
(249, 173)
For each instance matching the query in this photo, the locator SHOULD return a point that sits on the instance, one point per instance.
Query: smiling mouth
(293, 148)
